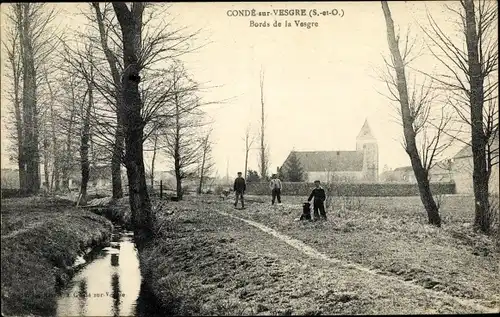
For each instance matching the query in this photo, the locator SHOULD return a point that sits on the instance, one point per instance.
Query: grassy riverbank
(205, 263)
(391, 235)
(41, 238)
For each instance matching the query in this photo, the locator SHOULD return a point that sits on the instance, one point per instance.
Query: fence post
(161, 189)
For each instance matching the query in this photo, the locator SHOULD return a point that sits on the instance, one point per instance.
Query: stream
(108, 283)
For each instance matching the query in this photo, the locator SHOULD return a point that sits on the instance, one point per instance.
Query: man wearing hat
(239, 188)
(275, 186)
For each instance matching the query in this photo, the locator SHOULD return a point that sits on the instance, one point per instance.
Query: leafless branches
(415, 109)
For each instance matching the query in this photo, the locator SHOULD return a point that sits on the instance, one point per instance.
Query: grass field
(41, 237)
(379, 257)
(203, 262)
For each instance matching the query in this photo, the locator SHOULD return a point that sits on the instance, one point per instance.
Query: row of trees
(457, 104)
(102, 95)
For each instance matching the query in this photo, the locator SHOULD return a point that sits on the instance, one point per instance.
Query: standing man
(275, 186)
(239, 188)
(319, 201)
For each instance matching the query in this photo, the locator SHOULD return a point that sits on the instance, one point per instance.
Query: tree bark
(177, 149)
(84, 146)
(140, 205)
(116, 162)
(421, 174)
(480, 171)
(46, 158)
(118, 148)
(55, 157)
(202, 169)
(67, 164)
(16, 74)
(30, 151)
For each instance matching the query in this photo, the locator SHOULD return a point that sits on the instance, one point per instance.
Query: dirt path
(388, 280)
(210, 259)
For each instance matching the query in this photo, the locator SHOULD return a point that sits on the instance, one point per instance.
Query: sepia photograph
(249, 158)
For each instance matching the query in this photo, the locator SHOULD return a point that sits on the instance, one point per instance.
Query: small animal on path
(306, 212)
(225, 193)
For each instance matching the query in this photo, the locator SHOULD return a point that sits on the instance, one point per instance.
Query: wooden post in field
(161, 189)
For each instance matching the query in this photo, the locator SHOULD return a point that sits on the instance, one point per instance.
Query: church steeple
(366, 132)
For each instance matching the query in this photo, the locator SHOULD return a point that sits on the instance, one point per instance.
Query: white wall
(324, 177)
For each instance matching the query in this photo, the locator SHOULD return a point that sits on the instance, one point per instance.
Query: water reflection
(114, 260)
(108, 286)
(115, 287)
(82, 296)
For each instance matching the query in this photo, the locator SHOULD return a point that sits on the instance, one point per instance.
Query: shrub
(494, 215)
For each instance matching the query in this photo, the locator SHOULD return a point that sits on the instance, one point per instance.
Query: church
(358, 166)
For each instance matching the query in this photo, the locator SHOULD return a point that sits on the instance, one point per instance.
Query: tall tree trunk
(46, 158)
(116, 161)
(67, 166)
(178, 183)
(30, 151)
(55, 157)
(177, 147)
(263, 159)
(480, 175)
(421, 174)
(84, 146)
(140, 205)
(202, 169)
(118, 145)
(21, 163)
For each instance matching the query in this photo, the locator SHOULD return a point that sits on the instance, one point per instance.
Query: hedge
(353, 189)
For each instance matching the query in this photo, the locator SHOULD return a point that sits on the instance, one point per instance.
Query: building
(404, 174)
(462, 167)
(360, 165)
(457, 169)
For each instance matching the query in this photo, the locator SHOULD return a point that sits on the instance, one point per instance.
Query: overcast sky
(320, 83)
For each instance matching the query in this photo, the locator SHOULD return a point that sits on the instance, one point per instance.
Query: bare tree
(415, 109)
(153, 159)
(131, 23)
(55, 175)
(180, 139)
(85, 111)
(471, 82)
(30, 42)
(206, 162)
(113, 62)
(249, 140)
(263, 155)
(159, 41)
(30, 151)
(12, 46)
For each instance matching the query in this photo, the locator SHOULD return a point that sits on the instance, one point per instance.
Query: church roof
(366, 132)
(321, 161)
(466, 151)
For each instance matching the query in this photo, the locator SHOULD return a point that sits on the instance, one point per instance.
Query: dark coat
(240, 185)
(318, 194)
